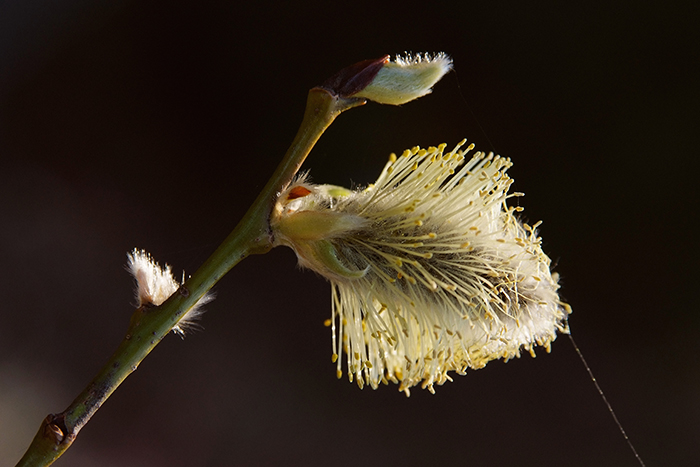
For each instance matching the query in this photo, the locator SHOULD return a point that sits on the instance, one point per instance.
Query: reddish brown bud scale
(298, 192)
(355, 78)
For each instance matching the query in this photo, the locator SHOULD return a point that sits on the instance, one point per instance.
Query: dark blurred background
(155, 124)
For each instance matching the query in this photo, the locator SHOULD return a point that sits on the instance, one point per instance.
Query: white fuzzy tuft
(155, 284)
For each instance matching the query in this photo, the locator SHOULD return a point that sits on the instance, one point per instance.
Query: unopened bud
(406, 78)
(155, 284)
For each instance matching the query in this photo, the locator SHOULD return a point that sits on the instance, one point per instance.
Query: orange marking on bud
(298, 192)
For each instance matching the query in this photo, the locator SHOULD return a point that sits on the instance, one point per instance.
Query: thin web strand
(605, 399)
(578, 351)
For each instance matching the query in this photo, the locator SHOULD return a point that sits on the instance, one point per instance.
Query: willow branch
(149, 325)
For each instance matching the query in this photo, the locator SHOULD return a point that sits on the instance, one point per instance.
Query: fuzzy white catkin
(155, 284)
(430, 269)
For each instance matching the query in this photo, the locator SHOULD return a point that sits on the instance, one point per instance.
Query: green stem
(149, 325)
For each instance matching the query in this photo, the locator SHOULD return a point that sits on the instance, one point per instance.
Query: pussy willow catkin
(431, 271)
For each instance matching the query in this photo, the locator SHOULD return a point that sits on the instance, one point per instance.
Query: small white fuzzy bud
(155, 284)
(406, 78)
